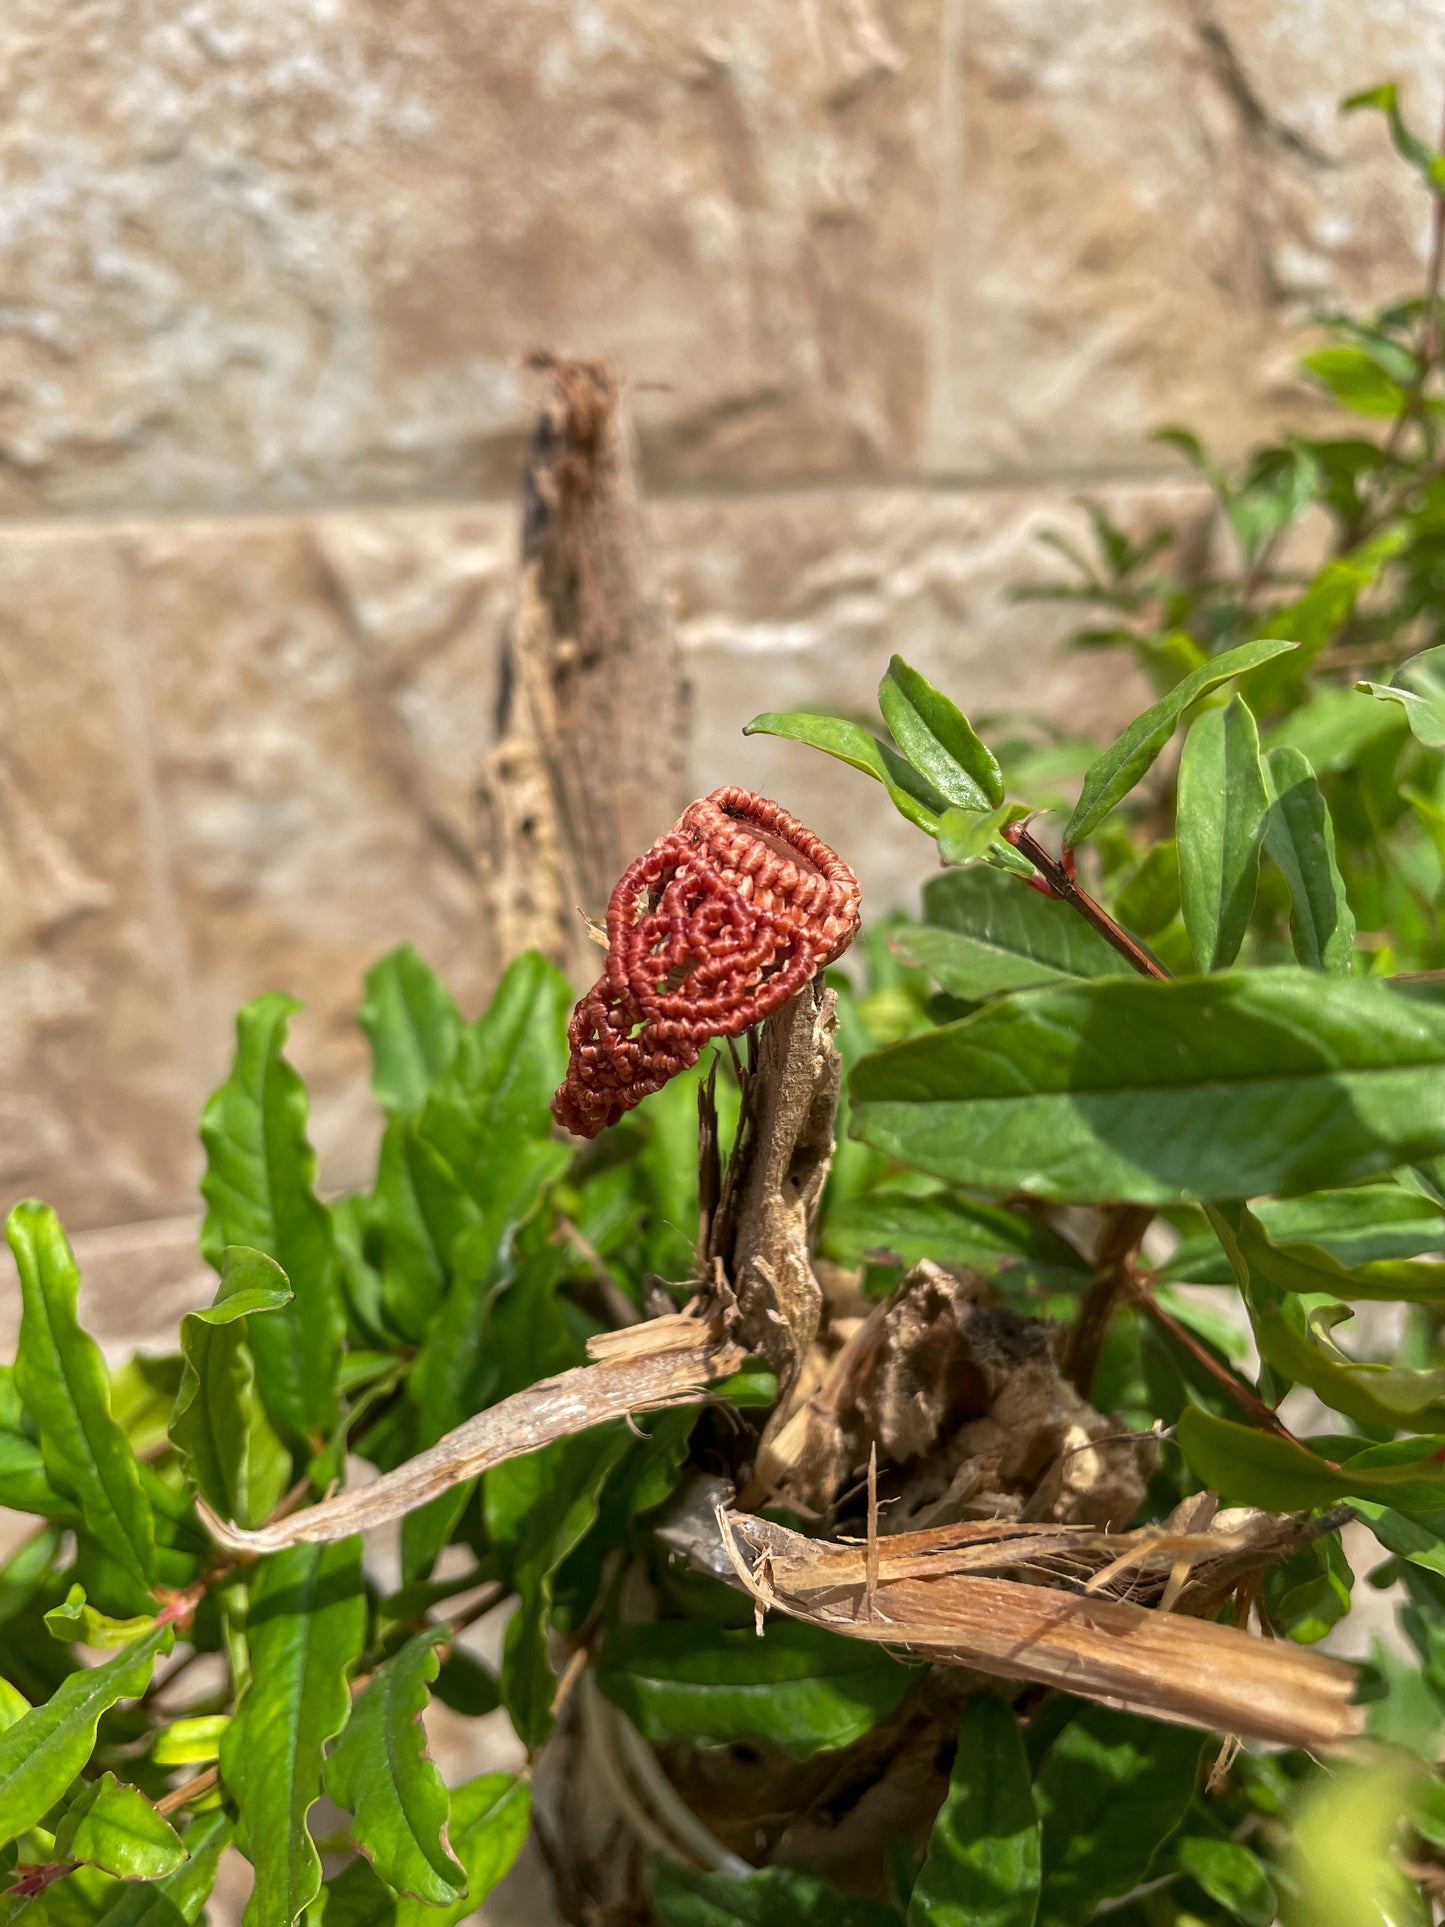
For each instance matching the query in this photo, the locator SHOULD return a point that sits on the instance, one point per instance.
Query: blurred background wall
(894, 282)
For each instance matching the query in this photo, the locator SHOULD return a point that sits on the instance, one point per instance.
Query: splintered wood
(644, 1368)
(934, 1594)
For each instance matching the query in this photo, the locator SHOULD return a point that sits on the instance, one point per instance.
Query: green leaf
(1149, 901)
(1223, 807)
(115, 1828)
(1358, 1227)
(1342, 1869)
(43, 1751)
(259, 1192)
(1418, 686)
(1277, 1080)
(984, 933)
(952, 1230)
(938, 739)
(966, 837)
(1114, 774)
(417, 1214)
(1231, 1875)
(61, 1378)
(1111, 1792)
(984, 1855)
(1301, 839)
(1335, 729)
(78, 1621)
(912, 795)
(1248, 1467)
(1308, 1593)
(539, 1508)
(1299, 1347)
(178, 1899)
(490, 1818)
(1308, 1268)
(799, 1688)
(305, 1625)
(413, 1025)
(772, 1897)
(1356, 380)
(191, 1741)
(380, 1773)
(488, 1113)
(24, 1485)
(1385, 99)
(227, 1444)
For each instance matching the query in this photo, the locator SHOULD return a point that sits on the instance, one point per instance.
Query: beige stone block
(96, 1100)
(1145, 203)
(237, 757)
(267, 253)
(796, 601)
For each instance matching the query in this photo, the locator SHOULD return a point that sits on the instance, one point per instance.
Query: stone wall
(894, 281)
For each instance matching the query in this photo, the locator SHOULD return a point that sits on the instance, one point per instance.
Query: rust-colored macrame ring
(724, 919)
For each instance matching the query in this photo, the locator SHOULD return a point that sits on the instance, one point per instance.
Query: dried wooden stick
(668, 1361)
(1192, 1672)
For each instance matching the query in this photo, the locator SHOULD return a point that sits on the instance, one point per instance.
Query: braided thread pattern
(717, 925)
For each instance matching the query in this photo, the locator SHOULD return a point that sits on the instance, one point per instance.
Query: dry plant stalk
(592, 713)
(932, 1593)
(668, 1361)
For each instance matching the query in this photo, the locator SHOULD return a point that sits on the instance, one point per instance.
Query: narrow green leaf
(61, 1378)
(912, 795)
(1223, 808)
(488, 1113)
(306, 1623)
(417, 1215)
(191, 1741)
(413, 1025)
(1301, 839)
(984, 1855)
(772, 1897)
(952, 1230)
(1307, 1594)
(799, 1688)
(259, 1189)
(1307, 1268)
(538, 1509)
(1248, 1467)
(1385, 99)
(1149, 902)
(1115, 773)
(938, 739)
(1229, 1086)
(1231, 1875)
(1418, 686)
(983, 933)
(490, 1818)
(76, 1620)
(1357, 1226)
(1356, 380)
(42, 1752)
(380, 1773)
(24, 1485)
(1111, 1792)
(178, 1899)
(230, 1450)
(1299, 1346)
(114, 1827)
(967, 837)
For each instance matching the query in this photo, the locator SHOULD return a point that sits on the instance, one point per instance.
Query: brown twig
(1123, 1232)
(1062, 883)
(1234, 1388)
(183, 1795)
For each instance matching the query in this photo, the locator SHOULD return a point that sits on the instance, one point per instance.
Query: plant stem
(188, 1791)
(1235, 1389)
(1124, 1227)
(1063, 884)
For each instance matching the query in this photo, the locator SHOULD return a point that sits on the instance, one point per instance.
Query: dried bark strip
(592, 713)
(1189, 1671)
(669, 1361)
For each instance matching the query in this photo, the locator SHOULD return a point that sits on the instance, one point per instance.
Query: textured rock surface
(256, 252)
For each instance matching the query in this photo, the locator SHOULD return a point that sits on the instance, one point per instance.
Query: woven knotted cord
(717, 925)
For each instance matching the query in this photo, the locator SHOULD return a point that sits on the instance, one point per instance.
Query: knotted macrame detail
(712, 929)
